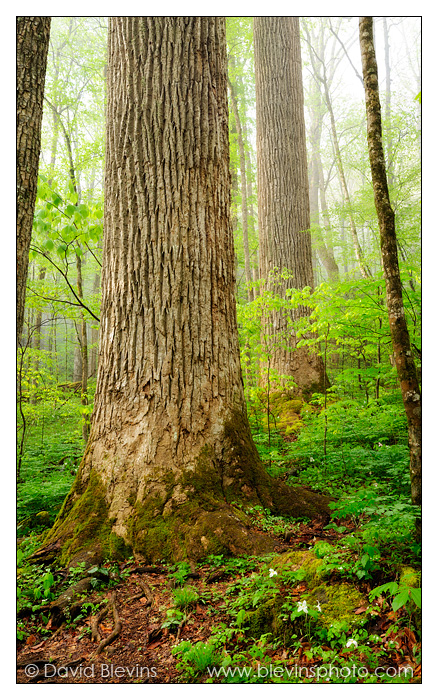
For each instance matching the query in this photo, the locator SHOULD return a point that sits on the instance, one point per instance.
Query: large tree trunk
(32, 47)
(170, 447)
(404, 360)
(283, 187)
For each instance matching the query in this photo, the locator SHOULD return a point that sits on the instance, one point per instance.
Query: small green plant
(180, 573)
(174, 618)
(185, 598)
(196, 658)
(402, 594)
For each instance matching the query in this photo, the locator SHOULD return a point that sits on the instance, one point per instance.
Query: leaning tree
(170, 451)
(401, 345)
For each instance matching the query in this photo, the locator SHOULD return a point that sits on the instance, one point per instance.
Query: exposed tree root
(95, 622)
(145, 587)
(117, 624)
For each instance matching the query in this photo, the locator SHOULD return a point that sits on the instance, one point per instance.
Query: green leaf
(415, 594)
(400, 599)
(49, 244)
(70, 210)
(68, 233)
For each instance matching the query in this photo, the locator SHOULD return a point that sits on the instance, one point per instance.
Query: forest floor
(143, 650)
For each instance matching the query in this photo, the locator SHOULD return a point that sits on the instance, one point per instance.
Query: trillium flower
(351, 643)
(318, 606)
(272, 573)
(302, 606)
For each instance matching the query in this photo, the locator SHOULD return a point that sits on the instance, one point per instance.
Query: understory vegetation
(264, 623)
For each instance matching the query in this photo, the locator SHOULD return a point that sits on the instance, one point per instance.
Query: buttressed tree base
(170, 451)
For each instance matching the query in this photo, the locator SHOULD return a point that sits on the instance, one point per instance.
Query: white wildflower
(272, 573)
(318, 606)
(302, 606)
(351, 643)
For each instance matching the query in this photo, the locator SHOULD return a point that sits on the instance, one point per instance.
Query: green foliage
(50, 460)
(180, 573)
(174, 618)
(195, 658)
(401, 592)
(185, 598)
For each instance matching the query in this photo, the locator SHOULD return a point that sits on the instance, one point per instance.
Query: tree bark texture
(170, 445)
(32, 47)
(283, 187)
(404, 361)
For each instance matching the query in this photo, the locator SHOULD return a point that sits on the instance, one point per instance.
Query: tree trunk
(283, 187)
(404, 361)
(170, 447)
(388, 124)
(315, 186)
(92, 369)
(364, 269)
(36, 341)
(84, 351)
(32, 47)
(243, 187)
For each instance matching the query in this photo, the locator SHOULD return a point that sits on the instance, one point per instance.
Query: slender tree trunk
(243, 188)
(94, 334)
(170, 446)
(315, 186)
(84, 350)
(283, 187)
(364, 269)
(36, 340)
(404, 361)
(32, 46)
(82, 334)
(252, 223)
(389, 144)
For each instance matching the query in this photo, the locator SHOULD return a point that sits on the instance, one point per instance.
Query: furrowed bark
(283, 187)
(170, 447)
(32, 47)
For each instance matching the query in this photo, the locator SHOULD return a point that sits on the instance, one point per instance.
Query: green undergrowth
(350, 598)
(52, 451)
(289, 620)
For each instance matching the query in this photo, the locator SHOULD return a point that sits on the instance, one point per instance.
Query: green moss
(338, 602)
(83, 524)
(285, 408)
(409, 577)
(297, 560)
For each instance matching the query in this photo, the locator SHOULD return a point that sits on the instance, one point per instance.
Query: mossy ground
(338, 602)
(284, 411)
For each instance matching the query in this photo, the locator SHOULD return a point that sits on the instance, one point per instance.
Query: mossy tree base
(177, 513)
